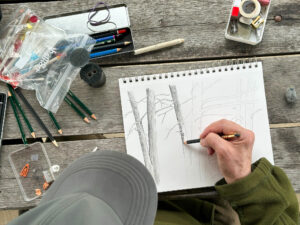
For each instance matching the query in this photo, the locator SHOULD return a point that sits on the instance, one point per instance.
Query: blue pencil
(105, 38)
(107, 52)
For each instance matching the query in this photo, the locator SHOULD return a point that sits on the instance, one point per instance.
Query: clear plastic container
(246, 33)
(36, 157)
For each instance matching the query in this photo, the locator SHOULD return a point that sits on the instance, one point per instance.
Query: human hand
(234, 156)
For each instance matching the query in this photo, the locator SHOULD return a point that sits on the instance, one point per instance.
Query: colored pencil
(228, 136)
(77, 110)
(105, 42)
(82, 105)
(110, 46)
(17, 118)
(103, 53)
(158, 46)
(38, 119)
(16, 101)
(111, 37)
(59, 130)
(116, 32)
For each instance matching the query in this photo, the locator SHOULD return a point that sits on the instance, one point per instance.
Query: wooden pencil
(59, 130)
(38, 119)
(158, 46)
(82, 105)
(110, 46)
(68, 101)
(227, 136)
(17, 103)
(17, 118)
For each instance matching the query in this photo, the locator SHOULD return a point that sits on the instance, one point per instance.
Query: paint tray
(246, 33)
(36, 157)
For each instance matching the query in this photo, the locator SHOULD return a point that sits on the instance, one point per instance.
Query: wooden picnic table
(202, 25)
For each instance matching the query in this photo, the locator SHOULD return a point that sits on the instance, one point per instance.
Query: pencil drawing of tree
(177, 110)
(141, 133)
(152, 132)
(167, 103)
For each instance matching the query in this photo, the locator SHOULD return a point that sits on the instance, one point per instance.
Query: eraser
(291, 95)
(264, 2)
(235, 12)
(79, 57)
(236, 8)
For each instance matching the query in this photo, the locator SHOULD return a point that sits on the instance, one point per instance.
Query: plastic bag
(37, 56)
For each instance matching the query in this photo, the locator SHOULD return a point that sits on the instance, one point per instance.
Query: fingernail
(202, 142)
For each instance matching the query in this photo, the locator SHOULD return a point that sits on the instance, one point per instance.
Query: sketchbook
(160, 111)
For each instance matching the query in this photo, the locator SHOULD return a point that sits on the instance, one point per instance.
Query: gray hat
(103, 187)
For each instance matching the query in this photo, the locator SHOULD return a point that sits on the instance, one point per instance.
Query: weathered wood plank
(10, 195)
(8, 215)
(201, 23)
(286, 145)
(279, 73)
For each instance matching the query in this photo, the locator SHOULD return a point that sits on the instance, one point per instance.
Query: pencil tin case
(247, 21)
(32, 169)
(77, 22)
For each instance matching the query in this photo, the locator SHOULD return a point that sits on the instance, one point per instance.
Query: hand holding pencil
(235, 156)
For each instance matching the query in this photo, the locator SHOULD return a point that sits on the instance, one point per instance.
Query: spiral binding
(216, 67)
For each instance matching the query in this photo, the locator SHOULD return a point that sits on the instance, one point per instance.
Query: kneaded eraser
(264, 2)
(291, 95)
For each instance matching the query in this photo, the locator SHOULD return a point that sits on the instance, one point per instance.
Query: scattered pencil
(17, 118)
(17, 103)
(105, 42)
(82, 105)
(117, 32)
(68, 101)
(40, 122)
(59, 130)
(111, 37)
(228, 136)
(106, 52)
(158, 46)
(110, 46)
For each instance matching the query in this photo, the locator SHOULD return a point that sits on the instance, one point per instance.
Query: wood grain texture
(279, 73)
(286, 145)
(201, 23)
(8, 215)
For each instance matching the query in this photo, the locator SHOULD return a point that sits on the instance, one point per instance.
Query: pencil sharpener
(257, 22)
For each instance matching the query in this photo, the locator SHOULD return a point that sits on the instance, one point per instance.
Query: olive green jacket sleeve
(265, 197)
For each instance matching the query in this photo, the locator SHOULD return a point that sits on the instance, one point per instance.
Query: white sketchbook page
(236, 95)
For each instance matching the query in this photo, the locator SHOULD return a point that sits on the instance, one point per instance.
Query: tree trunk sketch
(177, 110)
(152, 132)
(141, 132)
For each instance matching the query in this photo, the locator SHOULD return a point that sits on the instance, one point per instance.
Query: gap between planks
(193, 60)
(116, 135)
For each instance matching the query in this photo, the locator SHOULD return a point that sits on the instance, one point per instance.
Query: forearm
(263, 197)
